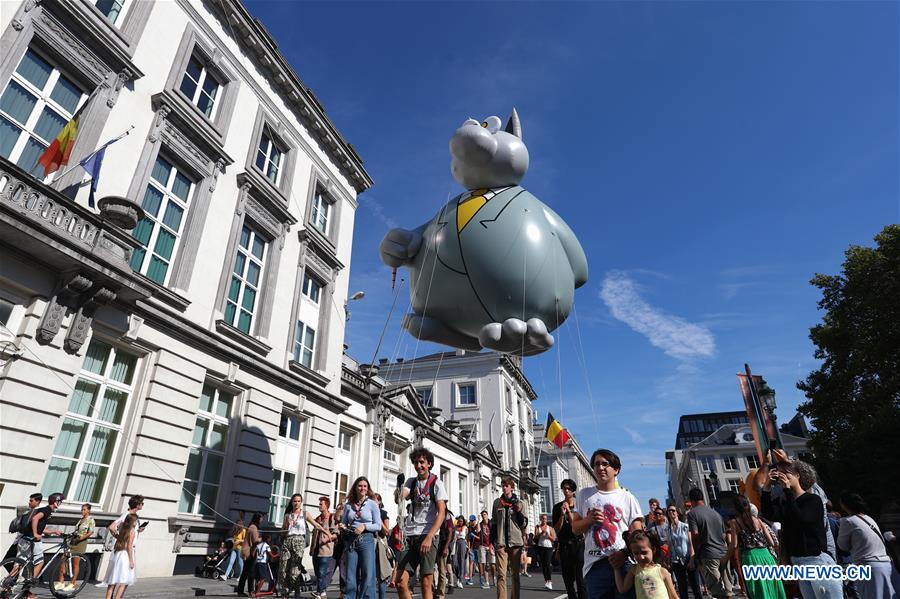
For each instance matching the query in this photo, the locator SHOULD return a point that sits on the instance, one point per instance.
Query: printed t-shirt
(422, 511)
(602, 540)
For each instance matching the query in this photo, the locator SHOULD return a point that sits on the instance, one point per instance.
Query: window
(544, 471)
(282, 489)
(546, 503)
(86, 444)
(240, 305)
(425, 396)
(35, 106)
(321, 211)
(707, 463)
(462, 493)
(341, 487)
(165, 202)
(734, 485)
(752, 461)
(466, 394)
(304, 344)
(289, 427)
(730, 462)
(204, 468)
(268, 157)
(111, 9)
(311, 288)
(391, 451)
(509, 400)
(199, 86)
(345, 440)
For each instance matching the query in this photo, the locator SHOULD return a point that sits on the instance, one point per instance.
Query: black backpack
(21, 523)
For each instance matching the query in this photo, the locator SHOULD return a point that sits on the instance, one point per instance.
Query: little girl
(651, 581)
(120, 573)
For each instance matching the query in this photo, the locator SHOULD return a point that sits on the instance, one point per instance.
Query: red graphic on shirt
(606, 533)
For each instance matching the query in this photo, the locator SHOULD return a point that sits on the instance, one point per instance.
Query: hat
(472, 518)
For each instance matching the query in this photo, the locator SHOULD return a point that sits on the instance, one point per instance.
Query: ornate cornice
(259, 44)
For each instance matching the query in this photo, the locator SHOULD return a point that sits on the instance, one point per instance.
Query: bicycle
(18, 583)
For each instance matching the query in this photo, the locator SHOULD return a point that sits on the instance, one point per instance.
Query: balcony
(89, 254)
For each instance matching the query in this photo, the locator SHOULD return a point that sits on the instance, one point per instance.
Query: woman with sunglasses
(675, 533)
(290, 573)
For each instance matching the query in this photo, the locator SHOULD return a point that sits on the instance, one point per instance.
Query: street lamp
(356, 296)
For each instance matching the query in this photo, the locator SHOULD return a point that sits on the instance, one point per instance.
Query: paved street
(190, 586)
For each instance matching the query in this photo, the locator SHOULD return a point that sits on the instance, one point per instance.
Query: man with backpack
(20, 523)
(428, 507)
(507, 536)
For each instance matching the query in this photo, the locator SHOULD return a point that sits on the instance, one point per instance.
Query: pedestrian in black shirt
(571, 546)
(802, 524)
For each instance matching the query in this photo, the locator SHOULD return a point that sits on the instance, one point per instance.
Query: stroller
(215, 563)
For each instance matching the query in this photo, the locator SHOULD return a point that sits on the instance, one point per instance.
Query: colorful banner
(765, 433)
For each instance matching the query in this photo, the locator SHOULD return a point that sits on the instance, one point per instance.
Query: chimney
(399, 360)
(382, 361)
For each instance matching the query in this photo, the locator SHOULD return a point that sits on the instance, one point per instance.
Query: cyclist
(30, 544)
(34, 500)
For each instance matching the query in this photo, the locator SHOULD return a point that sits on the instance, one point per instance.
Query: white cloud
(636, 437)
(377, 209)
(674, 335)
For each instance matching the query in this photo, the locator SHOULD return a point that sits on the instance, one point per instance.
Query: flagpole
(74, 116)
(68, 170)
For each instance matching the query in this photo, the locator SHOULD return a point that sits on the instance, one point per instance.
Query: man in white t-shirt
(428, 505)
(602, 514)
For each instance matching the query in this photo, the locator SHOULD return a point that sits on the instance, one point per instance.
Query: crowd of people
(605, 547)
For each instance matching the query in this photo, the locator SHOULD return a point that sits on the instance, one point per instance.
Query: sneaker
(469, 581)
(223, 577)
(459, 584)
(485, 586)
(548, 585)
(100, 585)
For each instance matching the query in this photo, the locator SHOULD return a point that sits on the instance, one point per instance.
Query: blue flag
(92, 163)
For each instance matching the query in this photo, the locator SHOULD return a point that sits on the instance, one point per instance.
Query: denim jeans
(323, 571)
(818, 589)
(235, 557)
(360, 560)
(601, 582)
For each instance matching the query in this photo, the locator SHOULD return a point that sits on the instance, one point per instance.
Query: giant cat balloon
(496, 268)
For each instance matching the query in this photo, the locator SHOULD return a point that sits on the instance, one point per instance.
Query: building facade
(555, 465)
(720, 463)
(184, 342)
(487, 398)
(385, 422)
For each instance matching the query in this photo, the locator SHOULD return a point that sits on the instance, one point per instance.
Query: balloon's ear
(513, 125)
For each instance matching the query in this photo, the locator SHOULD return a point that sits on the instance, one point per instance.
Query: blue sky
(711, 157)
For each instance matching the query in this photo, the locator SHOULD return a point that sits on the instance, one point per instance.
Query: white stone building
(486, 396)
(197, 358)
(385, 422)
(555, 464)
(719, 463)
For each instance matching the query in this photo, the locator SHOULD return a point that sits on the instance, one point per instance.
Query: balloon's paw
(516, 336)
(399, 247)
(426, 328)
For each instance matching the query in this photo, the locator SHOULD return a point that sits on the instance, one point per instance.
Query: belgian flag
(57, 153)
(556, 434)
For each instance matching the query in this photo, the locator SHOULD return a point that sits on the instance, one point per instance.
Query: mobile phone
(143, 525)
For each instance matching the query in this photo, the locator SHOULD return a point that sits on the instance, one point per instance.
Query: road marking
(563, 596)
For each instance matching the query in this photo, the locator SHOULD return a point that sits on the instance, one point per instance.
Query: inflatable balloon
(495, 268)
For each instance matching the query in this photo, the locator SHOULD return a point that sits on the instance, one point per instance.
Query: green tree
(854, 396)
